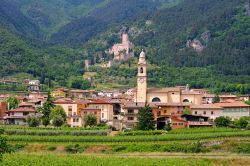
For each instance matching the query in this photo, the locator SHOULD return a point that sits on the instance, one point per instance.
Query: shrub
(222, 121)
(33, 121)
(57, 120)
(90, 120)
(51, 148)
(4, 147)
(75, 148)
(168, 127)
(58, 111)
(17, 147)
(241, 123)
(248, 126)
(243, 148)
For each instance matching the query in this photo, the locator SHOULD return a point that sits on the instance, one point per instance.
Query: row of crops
(144, 138)
(65, 160)
(57, 132)
(179, 131)
(18, 127)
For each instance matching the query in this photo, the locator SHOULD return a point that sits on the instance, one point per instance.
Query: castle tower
(86, 65)
(141, 95)
(125, 39)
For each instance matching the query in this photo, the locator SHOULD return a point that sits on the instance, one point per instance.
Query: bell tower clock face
(141, 80)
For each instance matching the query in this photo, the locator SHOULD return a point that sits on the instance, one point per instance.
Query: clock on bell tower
(141, 95)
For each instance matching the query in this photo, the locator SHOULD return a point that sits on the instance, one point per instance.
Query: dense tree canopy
(145, 119)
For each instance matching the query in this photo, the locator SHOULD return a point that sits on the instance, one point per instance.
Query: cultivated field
(65, 146)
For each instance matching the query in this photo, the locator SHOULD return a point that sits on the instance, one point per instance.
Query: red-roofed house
(235, 109)
(18, 115)
(72, 109)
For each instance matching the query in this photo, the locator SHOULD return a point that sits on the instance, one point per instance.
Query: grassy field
(63, 146)
(51, 160)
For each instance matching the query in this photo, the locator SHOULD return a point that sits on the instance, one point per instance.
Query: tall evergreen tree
(46, 109)
(145, 119)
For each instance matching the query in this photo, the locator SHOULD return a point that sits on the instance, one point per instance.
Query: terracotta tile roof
(64, 101)
(178, 120)
(164, 90)
(232, 104)
(128, 105)
(98, 101)
(205, 106)
(78, 101)
(23, 109)
(26, 104)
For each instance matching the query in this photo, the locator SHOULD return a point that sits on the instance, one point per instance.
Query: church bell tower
(141, 95)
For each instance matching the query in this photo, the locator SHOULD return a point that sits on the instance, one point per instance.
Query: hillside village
(179, 106)
(124, 82)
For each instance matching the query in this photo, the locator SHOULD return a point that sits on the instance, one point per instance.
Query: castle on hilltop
(122, 51)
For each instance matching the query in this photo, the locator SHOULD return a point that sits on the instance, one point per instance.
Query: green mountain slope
(14, 20)
(162, 27)
(116, 11)
(224, 61)
(49, 64)
(50, 16)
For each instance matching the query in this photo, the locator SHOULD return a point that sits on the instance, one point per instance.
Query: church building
(167, 95)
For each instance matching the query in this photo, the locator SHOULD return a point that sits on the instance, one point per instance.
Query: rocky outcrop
(195, 44)
(200, 45)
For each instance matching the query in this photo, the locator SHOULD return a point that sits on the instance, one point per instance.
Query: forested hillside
(51, 15)
(167, 29)
(224, 62)
(52, 64)
(14, 20)
(99, 20)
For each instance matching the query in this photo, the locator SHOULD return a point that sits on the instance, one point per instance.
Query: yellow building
(58, 93)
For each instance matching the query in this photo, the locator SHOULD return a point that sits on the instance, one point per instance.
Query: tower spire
(141, 95)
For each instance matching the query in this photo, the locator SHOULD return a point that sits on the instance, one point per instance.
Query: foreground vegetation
(28, 145)
(44, 160)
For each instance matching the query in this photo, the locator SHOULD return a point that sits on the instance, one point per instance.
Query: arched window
(156, 99)
(185, 101)
(141, 70)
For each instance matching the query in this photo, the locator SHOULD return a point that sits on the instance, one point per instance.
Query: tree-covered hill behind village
(50, 40)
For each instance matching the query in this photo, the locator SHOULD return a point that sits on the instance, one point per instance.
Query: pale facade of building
(105, 107)
(209, 110)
